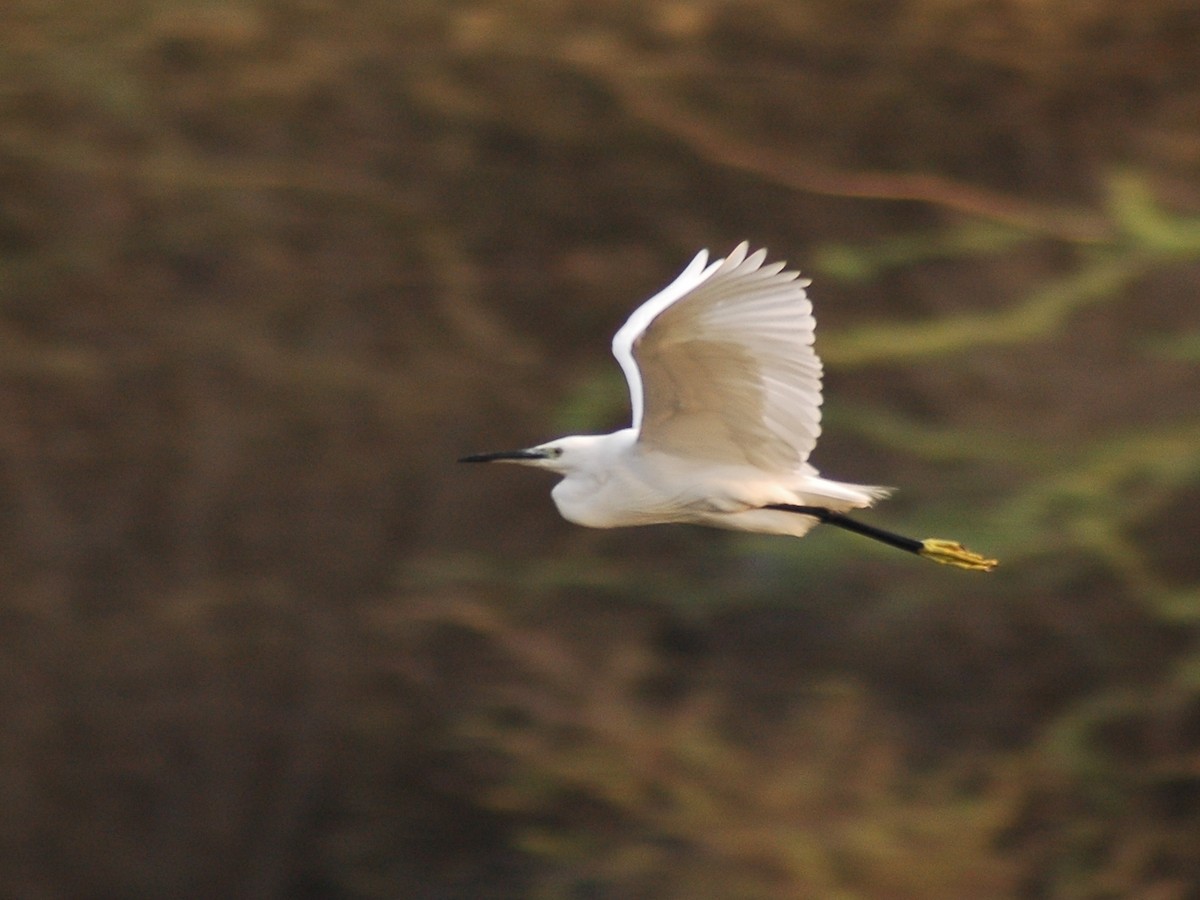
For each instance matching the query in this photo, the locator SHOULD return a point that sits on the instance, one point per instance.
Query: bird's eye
(555, 452)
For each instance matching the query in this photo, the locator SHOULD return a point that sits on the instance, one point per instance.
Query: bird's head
(564, 455)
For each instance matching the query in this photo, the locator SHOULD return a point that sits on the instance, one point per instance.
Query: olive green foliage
(611, 783)
(267, 267)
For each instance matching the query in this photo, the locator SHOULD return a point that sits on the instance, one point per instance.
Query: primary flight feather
(725, 387)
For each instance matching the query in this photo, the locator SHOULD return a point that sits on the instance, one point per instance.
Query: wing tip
(741, 262)
(742, 257)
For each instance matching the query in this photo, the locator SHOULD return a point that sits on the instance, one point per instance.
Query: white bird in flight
(726, 394)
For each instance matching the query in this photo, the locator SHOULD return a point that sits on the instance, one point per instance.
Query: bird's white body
(726, 395)
(622, 483)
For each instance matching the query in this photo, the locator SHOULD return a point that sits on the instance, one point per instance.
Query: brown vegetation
(268, 268)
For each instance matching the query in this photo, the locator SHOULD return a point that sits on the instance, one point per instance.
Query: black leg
(946, 552)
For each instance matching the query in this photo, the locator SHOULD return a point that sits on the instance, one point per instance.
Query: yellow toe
(952, 553)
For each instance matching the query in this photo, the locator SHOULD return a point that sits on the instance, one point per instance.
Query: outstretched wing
(721, 366)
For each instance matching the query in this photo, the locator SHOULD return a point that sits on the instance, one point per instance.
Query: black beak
(505, 455)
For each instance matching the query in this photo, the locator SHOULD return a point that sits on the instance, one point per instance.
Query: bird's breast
(615, 501)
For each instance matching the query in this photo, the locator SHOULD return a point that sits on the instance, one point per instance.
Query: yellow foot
(952, 553)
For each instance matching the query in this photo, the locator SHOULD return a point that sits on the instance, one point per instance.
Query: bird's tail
(839, 496)
(875, 492)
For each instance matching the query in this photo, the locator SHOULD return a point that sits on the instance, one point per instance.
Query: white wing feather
(721, 366)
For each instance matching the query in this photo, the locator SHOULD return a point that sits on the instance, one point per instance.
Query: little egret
(726, 394)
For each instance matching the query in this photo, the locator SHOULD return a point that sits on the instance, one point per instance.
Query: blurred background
(268, 268)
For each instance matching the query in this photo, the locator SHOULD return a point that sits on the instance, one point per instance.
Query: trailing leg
(950, 553)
